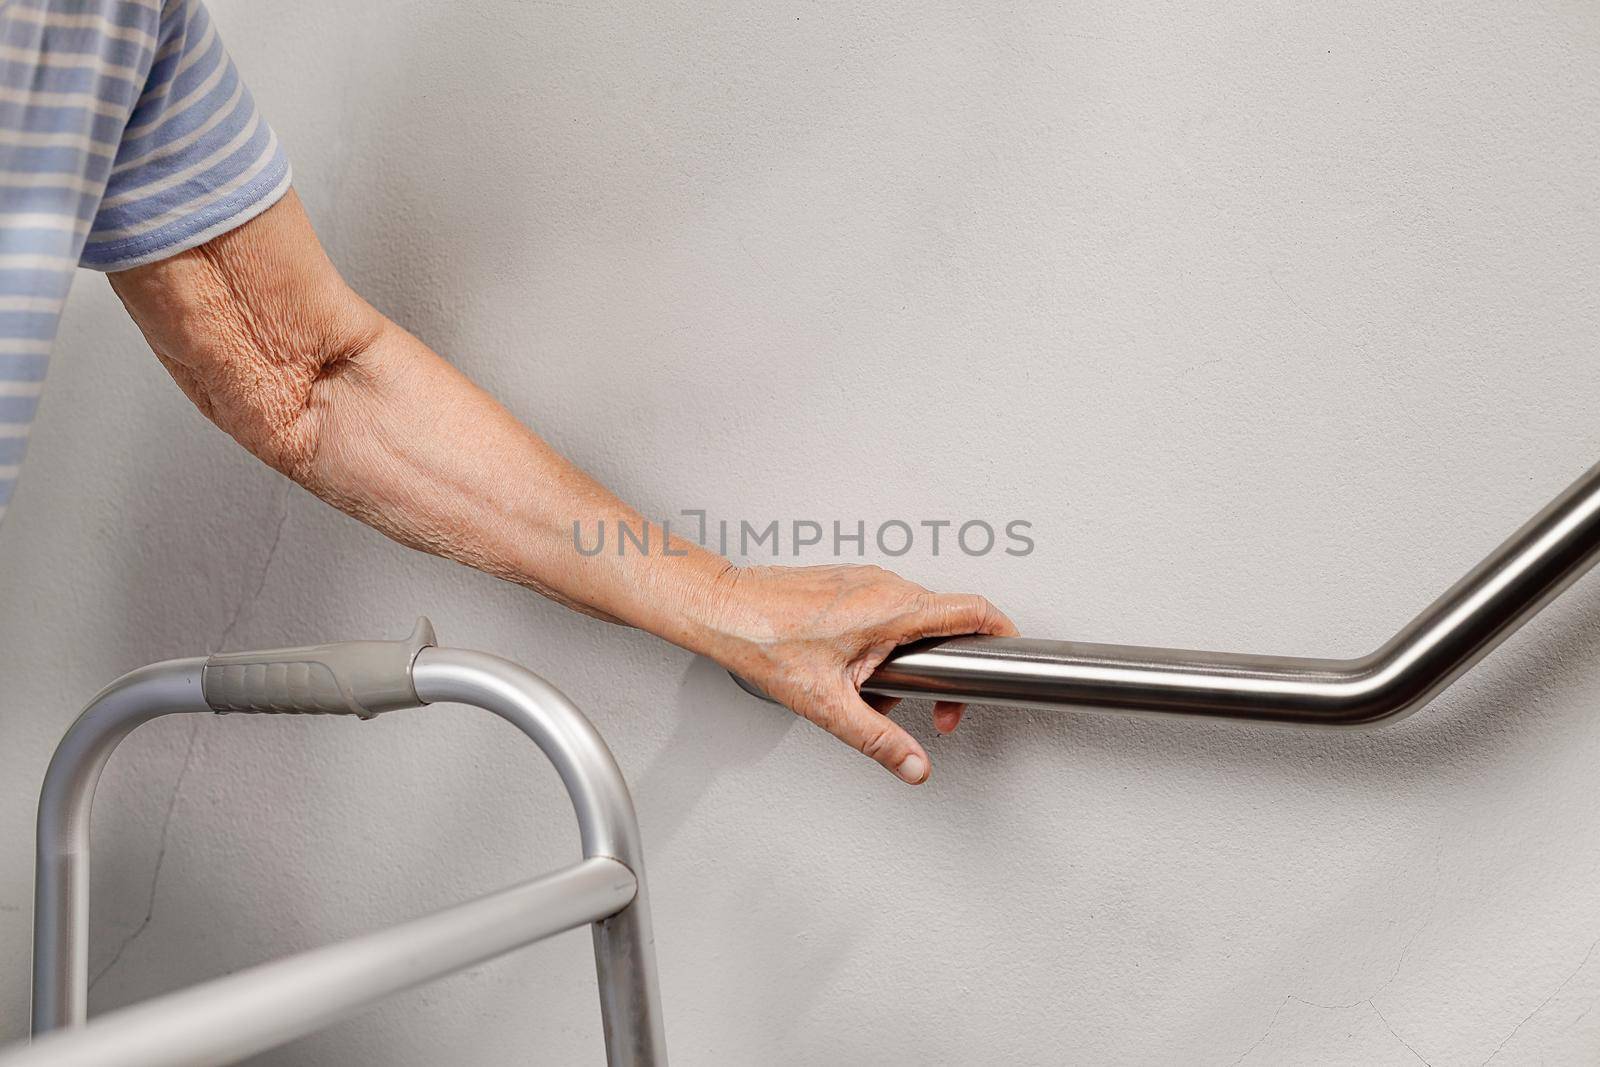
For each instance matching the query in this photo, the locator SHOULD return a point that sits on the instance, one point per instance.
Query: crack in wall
(261, 579)
(161, 856)
(1546, 1001)
(1370, 999)
(1367, 1001)
(228, 628)
(1395, 1033)
(1370, 1003)
(1284, 1003)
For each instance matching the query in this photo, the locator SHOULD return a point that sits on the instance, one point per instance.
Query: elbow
(278, 398)
(326, 385)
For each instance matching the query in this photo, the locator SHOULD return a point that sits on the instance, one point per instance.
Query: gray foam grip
(361, 678)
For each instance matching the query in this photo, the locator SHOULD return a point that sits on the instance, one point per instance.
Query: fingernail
(913, 768)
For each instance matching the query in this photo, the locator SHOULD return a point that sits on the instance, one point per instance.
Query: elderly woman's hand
(810, 636)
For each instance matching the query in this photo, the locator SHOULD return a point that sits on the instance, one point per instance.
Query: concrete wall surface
(1271, 318)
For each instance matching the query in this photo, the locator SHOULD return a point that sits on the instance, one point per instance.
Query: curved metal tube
(624, 947)
(61, 871)
(1530, 569)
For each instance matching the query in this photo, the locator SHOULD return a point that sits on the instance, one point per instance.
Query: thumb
(873, 734)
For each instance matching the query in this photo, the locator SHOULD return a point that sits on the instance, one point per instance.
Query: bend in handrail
(1545, 556)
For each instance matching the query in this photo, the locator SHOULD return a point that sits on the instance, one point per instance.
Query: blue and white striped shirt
(125, 136)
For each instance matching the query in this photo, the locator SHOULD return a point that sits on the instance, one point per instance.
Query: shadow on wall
(1470, 723)
(717, 729)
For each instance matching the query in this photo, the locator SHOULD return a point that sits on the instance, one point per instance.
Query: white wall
(1271, 317)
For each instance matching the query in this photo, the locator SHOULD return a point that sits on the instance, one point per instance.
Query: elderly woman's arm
(260, 331)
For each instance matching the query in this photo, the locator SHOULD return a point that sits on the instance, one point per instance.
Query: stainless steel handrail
(257, 1009)
(1525, 573)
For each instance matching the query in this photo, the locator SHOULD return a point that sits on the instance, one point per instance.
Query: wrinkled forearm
(400, 439)
(261, 332)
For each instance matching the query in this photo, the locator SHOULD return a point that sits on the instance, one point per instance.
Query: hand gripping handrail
(1525, 573)
(230, 1018)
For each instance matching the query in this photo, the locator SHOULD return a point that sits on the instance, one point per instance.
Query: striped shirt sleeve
(196, 159)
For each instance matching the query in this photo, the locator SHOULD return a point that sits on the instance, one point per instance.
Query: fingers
(883, 705)
(947, 715)
(815, 635)
(952, 614)
(876, 735)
